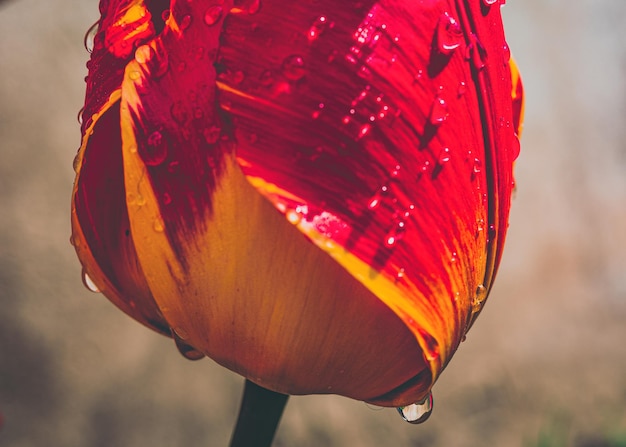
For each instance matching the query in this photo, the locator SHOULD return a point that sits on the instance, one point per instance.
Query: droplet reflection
(418, 412)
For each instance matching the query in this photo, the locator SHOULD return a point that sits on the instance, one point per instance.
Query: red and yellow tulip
(313, 194)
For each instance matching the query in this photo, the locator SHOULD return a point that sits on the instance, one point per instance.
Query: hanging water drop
(88, 283)
(418, 412)
(489, 2)
(187, 351)
(449, 34)
(90, 35)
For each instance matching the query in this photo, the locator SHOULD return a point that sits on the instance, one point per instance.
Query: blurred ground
(544, 366)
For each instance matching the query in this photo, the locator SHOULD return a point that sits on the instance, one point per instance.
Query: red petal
(383, 130)
(101, 231)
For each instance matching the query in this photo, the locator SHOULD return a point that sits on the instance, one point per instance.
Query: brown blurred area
(545, 365)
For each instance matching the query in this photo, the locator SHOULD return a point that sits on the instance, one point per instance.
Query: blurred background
(545, 365)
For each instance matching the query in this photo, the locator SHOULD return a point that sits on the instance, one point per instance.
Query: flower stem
(259, 415)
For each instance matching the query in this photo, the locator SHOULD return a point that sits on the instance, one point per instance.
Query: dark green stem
(259, 415)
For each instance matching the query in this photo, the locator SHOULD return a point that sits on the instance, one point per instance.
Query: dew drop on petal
(213, 14)
(88, 283)
(134, 75)
(507, 53)
(449, 34)
(179, 112)
(400, 274)
(479, 298)
(377, 198)
(462, 89)
(144, 53)
(418, 412)
(246, 7)
(158, 226)
(515, 148)
(185, 22)
(489, 2)
(317, 28)
(293, 216)
(293, 67)
(155, 151)
(364, 130)
(444, 156)
(395, 234)
(438, 112)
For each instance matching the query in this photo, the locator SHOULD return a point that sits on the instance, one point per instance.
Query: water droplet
(293, 67)
(489, 2)
(212, 134)
(179, 112)
(134, 75)
(293, 216)
(397, 231)
(507, 53)
(79, 116)
(317, 28)
(515, 148)
(213, 14)
(154, 151)
(90, 35)
(423, 170)
(400, 274)
(477, 167)
(165, 14)
(462, 89)
(88, 283)
(378, 197)
(364, 130)
(158, 226)
(418, 412)
(444, 156)
(187, 351)
(449, 34)
(246, 6)
(430, 346)
(144, 53)
(316, 113)
(479, 298)
(185, 22)
(166, 199)
(438, 111)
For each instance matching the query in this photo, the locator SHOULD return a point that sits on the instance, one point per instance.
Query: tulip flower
(313, 194)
